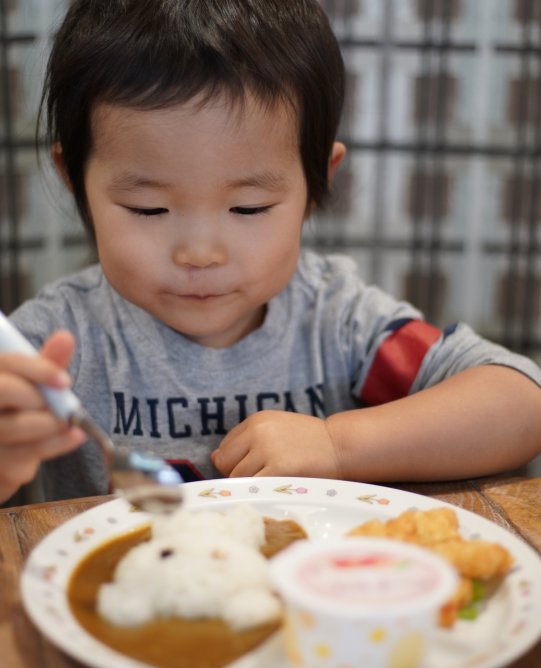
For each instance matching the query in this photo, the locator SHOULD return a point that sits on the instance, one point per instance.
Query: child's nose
(199, 253)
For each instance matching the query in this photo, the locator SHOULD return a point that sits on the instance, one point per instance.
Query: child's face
(198, 212)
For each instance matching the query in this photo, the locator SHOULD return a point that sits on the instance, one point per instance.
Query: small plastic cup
(360, 602)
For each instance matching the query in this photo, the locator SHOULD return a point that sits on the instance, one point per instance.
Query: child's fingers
(29, 433)
(23, 460)
(35, 369)
(21, 469)
(231, 450)
(248, 466)
(61, 443)
(59, 348)
(16, 393)
(19, 427)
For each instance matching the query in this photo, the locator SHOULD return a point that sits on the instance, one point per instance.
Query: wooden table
(513, 502)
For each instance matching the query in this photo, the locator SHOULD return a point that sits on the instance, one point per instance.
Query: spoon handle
(62, 402)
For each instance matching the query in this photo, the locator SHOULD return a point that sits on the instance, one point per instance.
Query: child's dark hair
(151, 54)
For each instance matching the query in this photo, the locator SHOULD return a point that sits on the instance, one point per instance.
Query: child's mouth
(204, 297)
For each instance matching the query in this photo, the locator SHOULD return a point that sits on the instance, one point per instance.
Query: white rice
(241, 523)
(197, 565)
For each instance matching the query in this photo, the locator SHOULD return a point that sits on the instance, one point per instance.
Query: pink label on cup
(368, 578)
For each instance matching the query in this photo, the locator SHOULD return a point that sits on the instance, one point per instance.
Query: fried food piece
(437, 529)
(476, 558)
(372, 528)
(425, 528)
(414, 526)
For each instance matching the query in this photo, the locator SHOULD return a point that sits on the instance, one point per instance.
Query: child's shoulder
(337, 278)
(334, 281)
(61, 304)
(83, 281)
(317, 270)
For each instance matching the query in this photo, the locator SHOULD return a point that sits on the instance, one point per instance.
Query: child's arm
(481, 421)
(29, 433)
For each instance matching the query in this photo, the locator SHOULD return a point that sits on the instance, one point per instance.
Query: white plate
(508, 627)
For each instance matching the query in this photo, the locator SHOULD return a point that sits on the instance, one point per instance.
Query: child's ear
(58, 161)
(338, 153)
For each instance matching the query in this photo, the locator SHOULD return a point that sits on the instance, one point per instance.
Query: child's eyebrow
(127, 182)
(264, 180)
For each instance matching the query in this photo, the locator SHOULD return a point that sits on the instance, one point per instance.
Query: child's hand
(272, 443)
(29, 432)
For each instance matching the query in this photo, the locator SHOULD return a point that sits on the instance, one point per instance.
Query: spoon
(144, 480)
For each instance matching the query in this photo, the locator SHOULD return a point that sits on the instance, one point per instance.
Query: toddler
(196, 139)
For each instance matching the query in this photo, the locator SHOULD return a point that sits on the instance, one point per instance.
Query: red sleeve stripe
(397, 362)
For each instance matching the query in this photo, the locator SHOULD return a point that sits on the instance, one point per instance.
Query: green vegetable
(479, 590)
(471, 611)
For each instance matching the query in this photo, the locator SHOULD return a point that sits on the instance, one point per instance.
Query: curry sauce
(172, 642)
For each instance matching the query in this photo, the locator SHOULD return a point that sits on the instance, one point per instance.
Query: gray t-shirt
(329, 343)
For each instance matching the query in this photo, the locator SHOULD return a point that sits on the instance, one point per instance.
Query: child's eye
(147, 212)
(250, 210)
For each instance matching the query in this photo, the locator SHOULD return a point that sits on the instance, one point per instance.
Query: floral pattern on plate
(509, 625)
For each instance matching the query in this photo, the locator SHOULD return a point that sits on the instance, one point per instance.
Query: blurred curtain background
(439, 199)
